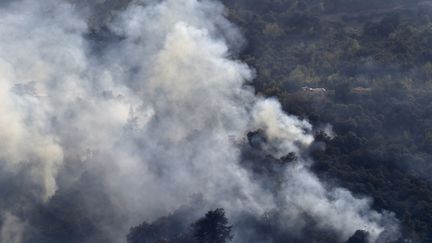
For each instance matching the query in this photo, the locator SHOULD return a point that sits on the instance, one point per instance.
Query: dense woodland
(365, 67)
(362, 66)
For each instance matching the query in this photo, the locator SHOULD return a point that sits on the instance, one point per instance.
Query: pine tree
(212, 228)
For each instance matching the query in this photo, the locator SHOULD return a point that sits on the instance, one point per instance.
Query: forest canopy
(367, 69)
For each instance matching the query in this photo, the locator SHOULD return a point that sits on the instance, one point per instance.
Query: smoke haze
(153, 120)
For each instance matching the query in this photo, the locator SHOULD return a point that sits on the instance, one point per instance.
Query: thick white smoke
(158, 117)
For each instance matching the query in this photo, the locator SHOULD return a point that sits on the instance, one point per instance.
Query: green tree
(360, 236)
(212, 228)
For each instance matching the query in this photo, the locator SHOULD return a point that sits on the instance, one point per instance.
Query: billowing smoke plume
(155, 118)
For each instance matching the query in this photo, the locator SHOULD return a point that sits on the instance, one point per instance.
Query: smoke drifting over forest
(102, 135)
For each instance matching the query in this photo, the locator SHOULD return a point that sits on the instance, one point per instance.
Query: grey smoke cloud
(157, 118)
(12, 229)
